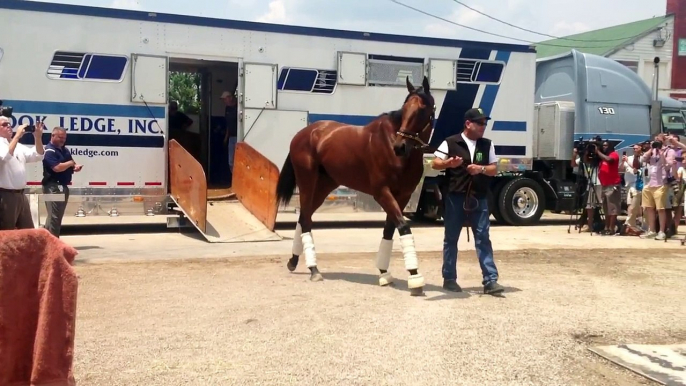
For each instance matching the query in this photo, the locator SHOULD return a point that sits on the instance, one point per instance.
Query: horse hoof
(316, 277)
(419, 291)
(385, 279)
(416, 284)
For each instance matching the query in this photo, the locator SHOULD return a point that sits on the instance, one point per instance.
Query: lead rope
(466, 209)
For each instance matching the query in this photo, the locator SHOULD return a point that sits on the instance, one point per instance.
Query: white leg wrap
(409, 253)
(383, 256)
(383, 260)
(308, 250)
(297, 241)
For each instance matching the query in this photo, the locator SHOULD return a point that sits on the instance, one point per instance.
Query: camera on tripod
(587, 149)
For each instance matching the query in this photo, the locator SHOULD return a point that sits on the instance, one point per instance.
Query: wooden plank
(664, 364)
(254, 182)
(188, 184)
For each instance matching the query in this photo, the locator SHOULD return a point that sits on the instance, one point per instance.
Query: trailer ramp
(251, 218)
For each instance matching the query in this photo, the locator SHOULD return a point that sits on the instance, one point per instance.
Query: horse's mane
(396, 116)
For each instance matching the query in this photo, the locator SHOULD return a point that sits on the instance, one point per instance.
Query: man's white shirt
(13, 167)
(471, 145)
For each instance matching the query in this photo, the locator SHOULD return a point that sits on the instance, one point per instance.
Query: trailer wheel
(493, 196)
(521, 201)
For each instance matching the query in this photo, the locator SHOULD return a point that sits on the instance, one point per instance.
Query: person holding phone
(14, 205)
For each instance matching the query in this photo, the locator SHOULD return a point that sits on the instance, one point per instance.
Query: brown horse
(383, 159)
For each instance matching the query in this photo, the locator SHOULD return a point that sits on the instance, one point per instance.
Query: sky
(551, 17)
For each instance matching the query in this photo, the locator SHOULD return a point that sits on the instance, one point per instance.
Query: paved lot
(247, 320)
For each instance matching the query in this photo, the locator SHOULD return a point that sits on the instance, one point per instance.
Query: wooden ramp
(251, 218)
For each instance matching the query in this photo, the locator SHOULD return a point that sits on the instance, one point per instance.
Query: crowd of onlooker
(654, 181)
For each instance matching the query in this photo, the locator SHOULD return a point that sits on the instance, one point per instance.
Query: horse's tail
(286, 185)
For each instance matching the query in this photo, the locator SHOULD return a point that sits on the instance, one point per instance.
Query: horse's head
(418, 113)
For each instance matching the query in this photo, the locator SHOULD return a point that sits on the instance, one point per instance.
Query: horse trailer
(104, 75)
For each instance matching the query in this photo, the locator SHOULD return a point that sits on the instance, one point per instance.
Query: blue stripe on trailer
(509, 150)
(491, 91)
(457, 102)
(518, 126)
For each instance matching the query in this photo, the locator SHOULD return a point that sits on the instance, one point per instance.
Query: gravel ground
(249, 321)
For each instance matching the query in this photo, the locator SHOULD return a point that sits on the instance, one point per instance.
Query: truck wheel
(493, 197)
(521, 201)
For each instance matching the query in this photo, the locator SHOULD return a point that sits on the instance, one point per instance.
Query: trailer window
(307, 80)
(394, 70)
(479, 71)
(87, 66)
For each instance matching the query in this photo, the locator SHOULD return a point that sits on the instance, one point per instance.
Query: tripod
(587, 196)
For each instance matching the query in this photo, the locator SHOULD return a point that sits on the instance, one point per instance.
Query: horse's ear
(410, 87)
(425, 84)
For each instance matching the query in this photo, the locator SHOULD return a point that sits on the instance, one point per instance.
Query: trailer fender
(521, 201)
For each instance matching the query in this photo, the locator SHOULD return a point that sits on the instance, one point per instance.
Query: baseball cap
(475, 114)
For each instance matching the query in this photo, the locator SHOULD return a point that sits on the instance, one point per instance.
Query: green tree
(184, 87)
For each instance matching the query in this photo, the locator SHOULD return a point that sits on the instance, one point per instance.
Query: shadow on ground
(401, 285)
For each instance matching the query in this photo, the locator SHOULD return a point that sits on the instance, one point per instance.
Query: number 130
(606, 110)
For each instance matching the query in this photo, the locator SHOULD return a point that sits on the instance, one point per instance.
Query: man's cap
(475, 114)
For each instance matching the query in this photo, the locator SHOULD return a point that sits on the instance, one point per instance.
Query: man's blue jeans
(454, 217)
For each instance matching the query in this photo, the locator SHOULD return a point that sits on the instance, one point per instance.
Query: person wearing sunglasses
(469, 162)
(15, 212)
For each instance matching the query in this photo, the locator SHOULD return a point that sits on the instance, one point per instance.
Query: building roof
(632, 31)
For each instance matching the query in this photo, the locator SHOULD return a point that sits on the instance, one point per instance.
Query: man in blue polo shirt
(58, 168)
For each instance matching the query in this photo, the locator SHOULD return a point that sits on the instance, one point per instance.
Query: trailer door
(259, 86)
(146, 126)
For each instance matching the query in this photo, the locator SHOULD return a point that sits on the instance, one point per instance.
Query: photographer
(14, 206)
(587, 173)
(633, 180)
(676, 184)
(610, 180)
(659, 159)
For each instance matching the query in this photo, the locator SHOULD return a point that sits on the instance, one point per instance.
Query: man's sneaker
(451, 285)
(661, 236)
(648, 235)
(492, 287)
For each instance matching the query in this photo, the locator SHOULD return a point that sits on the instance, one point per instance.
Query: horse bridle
(416, 136)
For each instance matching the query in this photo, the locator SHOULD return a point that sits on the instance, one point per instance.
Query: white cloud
(569, 28)
(276, 14)
(126, 4)
(460, 15)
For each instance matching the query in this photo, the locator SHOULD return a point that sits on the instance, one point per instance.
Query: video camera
(5, 111)
(588, 148)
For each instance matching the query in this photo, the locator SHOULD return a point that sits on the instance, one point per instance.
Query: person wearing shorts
(656, 191)
(610, 180)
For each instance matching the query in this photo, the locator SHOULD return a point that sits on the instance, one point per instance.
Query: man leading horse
(470, 162)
